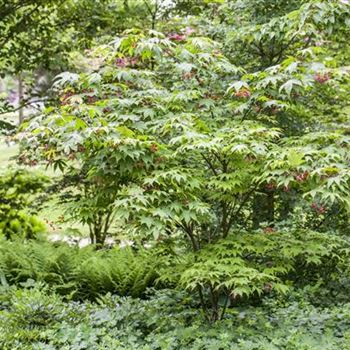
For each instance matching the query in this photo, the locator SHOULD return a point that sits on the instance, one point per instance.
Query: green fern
(85, 273)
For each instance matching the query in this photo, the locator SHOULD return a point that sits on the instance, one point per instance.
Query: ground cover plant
(33, 318)
(203, 147)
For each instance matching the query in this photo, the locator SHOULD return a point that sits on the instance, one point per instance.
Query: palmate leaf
(289, 85)
(64, 79)
(295, 159)
(238, 85)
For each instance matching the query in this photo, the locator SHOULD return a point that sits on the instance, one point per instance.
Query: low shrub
(34, 318)
(18, 190)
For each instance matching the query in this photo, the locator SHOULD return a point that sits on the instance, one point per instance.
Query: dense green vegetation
(79, 273)
(167, 320)
(200, 149)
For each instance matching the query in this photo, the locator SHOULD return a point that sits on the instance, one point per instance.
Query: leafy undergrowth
(78, 273)
(52, 212)
(34, 318)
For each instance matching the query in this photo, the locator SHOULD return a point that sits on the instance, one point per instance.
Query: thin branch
(189, 231)
(234, 214)
(209, 164)
(224, 307)
(25, 104)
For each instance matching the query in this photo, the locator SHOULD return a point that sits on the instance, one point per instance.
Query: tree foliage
(229, 136)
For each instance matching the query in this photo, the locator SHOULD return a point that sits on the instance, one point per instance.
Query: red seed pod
(244, 93)
(321, 210)
(270, 186)
(154, 148)
(286, 188)
(176, 37)
(301, 177)
(121, 62)
(314, 205)
(322, 77)
(81, 148)
(133, 61)
(91, 99)
(269, 230)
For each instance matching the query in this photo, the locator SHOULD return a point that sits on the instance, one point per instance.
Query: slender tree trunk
(91, 234)
(214, 304)
(270, 206)
(20, 99)
(263, 208)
